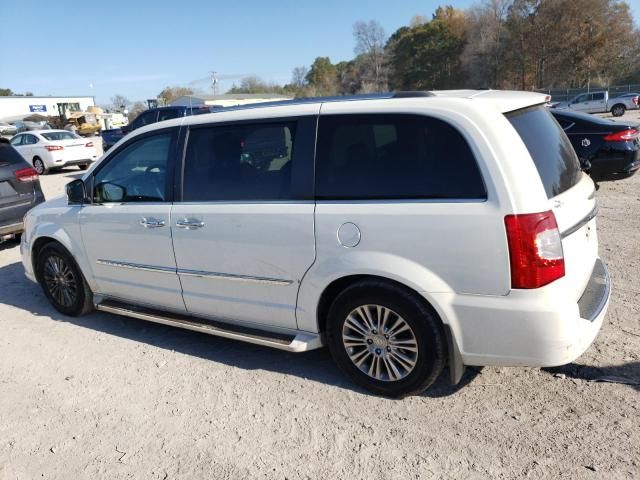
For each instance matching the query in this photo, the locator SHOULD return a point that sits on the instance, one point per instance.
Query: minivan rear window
(548, 145)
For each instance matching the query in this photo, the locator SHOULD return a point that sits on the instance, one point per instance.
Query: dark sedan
(19, 190)
(612, 148)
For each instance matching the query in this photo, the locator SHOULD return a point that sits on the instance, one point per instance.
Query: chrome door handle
(190, 223)
(151, 222)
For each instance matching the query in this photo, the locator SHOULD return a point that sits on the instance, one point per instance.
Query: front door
(244, 231)
(126, 228)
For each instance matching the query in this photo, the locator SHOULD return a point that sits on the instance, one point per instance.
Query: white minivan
(405, 231)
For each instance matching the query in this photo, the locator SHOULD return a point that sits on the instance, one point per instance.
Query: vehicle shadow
(316, 365)
(626, 373)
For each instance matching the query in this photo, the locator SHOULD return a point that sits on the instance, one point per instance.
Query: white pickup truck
(599, 102)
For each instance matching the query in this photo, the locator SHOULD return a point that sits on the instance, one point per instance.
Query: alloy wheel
(380, 343)
(60, 281)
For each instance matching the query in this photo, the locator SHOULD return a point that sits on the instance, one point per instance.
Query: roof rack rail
(345, 98)
(413, 93)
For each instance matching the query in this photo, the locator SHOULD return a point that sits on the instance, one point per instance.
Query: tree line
(512, 44)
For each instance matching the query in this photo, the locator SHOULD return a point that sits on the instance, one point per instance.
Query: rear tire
(618, 110)
(386, 339)
(62, 281)
(39, 166)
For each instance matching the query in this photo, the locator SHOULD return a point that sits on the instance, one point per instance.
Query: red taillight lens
(535, 249)
(623, 136)
(51, 148)
(26, 175)
(88, 144)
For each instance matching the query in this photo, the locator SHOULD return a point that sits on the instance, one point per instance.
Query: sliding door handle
(190, 223)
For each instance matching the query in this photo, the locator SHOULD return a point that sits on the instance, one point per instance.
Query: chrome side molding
(195, 273)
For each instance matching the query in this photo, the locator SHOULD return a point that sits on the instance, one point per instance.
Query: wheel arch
(333, 289)
(47, 233)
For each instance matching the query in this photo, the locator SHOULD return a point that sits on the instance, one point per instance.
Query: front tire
(83, 167)
(386, 339)
(62, 281)
(39, 166)
(618, 110)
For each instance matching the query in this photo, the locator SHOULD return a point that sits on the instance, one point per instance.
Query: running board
(301, 342)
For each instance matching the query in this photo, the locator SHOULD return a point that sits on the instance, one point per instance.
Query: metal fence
(565, 94)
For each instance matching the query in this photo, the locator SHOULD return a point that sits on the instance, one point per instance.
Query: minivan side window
(137, 173)
(239, 162)
(394, 156)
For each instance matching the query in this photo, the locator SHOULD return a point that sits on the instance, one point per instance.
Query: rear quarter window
(394, 156)
(549, 147)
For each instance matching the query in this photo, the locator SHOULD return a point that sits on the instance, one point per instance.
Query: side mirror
(76, 192)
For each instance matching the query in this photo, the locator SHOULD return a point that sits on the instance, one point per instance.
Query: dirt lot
(110, 397)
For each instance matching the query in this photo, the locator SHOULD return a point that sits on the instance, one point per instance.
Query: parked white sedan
(49, 149)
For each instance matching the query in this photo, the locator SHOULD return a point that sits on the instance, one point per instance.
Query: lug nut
(374, 331)
(369, 341)
(388, 349)
(386, 336)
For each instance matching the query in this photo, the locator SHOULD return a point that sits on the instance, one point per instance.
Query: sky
(137, 47)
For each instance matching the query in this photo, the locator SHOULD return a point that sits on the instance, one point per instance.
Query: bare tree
(119, 102)
(299, 76)
(370, 38)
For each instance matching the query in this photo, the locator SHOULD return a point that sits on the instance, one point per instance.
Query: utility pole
(214, 82)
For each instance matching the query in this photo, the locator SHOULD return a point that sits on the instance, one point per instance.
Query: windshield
(549, 147)
(53, 136)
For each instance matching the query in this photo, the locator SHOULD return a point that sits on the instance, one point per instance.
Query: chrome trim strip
(136, 266)
(229, 276)
(590, 216)
(195, 273)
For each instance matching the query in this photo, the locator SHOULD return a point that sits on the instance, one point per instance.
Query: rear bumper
(530, 327)
(69, 163)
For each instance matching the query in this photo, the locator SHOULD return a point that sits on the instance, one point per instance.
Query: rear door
(571, 191)
(243, 232)
(597, 103)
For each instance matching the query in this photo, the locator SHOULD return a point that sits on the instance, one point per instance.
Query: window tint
(170, 113)
(598, 96)
(30, 140)
(239, 162)
(549, 147)
(394, 156)
(136, 174)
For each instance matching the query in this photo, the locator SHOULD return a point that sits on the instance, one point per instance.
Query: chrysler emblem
(586, 142)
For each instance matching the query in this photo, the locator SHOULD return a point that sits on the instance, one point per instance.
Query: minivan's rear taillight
(26, 175)
(535, 249)
(623, 136)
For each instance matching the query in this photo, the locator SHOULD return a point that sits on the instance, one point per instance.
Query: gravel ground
(109, 397)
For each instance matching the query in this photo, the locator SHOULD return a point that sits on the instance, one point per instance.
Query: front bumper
(538, 328)
(25, 254)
